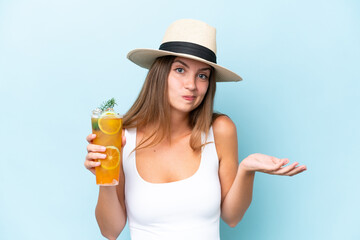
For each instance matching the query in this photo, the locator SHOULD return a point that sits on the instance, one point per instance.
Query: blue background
(300, 98)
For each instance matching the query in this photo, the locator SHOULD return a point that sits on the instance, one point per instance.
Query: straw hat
(190, 39)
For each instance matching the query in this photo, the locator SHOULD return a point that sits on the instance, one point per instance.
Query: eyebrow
(202, 69)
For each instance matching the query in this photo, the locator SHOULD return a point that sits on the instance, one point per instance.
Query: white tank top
(186, 209)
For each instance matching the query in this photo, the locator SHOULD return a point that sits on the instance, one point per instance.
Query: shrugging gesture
(175, 183)
(237, 179)
(272, 165)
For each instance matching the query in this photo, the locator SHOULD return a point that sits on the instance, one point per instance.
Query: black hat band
(189, 48)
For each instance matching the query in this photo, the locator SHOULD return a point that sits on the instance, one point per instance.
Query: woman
(180, 169)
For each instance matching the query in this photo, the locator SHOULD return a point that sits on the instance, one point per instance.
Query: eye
(203, 76)
(179, 70)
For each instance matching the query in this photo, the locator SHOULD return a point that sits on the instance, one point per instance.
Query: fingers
(290, 170)
(95, 148)
(95, 152)
(278, 163)
(274, 165)
(90, 137)
(297, 170)
(91, 164)
(92, 156)
(284, 161)
(285, 170)
(91, 160)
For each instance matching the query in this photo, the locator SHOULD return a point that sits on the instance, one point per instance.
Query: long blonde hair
(152, 107)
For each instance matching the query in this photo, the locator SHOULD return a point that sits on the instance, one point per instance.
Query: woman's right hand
(96, 152)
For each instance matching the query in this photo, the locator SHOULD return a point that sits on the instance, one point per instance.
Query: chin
(183, 109)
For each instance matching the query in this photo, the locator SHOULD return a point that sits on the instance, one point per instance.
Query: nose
(190, 83)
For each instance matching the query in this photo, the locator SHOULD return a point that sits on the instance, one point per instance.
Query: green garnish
(94, 124)
(108, 104)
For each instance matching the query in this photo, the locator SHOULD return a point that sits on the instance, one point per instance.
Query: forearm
(110, 215)
(239, 197)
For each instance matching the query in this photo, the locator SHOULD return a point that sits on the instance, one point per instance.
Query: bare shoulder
(227, 149)
(223, 127)
(225, 136)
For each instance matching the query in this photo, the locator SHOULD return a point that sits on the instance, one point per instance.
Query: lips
(189, 97)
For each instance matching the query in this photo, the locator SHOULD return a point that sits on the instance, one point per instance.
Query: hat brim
(145, 58)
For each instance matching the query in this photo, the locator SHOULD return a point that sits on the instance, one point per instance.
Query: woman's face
(188, 82)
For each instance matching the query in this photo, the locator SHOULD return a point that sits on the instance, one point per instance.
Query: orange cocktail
(108, 129)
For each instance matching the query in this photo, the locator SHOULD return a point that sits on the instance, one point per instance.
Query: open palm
(264, 163)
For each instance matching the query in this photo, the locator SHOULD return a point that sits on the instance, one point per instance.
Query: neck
(179, 124)
(179, 127)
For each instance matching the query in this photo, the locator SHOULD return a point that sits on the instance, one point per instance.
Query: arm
(236, 184)
(237, 180)
(110, 210)
(238, 198)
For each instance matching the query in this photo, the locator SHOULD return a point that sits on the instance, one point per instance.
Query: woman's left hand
(263, 163)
